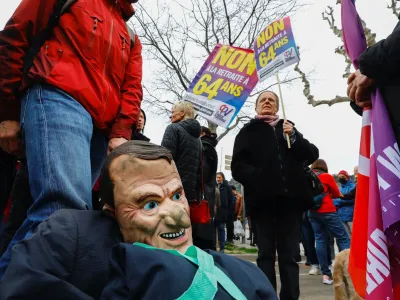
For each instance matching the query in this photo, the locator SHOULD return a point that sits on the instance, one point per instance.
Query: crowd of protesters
(60, 219)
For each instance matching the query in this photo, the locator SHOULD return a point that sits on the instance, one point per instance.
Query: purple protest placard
(223, 84)
(275, 48)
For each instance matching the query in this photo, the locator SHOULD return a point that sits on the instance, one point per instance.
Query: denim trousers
(323, 223)
(220, 233)
(64, 154)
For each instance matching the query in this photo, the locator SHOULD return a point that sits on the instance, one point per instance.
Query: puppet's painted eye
(150, 205)
(177, 197)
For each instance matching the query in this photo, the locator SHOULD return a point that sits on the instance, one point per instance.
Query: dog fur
(342, 284)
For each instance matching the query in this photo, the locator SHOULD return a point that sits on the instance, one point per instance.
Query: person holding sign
(276, 188)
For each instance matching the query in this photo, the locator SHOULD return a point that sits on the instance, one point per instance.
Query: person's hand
(360, 87)
(114, 143)
(362, 104)
(10, 137)
(351, 78)
(287, 128)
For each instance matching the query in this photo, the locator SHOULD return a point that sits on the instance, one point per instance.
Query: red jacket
(332, 191)
(88, 56)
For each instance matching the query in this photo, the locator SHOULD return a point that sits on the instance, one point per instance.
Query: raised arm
(382, 60)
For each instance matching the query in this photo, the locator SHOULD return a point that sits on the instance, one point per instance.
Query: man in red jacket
(77, 101)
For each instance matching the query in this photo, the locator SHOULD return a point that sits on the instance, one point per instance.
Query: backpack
(318, 198)
(60, 8)
(317, 188)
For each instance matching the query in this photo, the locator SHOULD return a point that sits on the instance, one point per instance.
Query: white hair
(186, 107)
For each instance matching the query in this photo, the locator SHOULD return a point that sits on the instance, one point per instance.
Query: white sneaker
(314, 270)
(327, 280)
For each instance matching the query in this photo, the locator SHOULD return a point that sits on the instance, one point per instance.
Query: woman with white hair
(182, 138)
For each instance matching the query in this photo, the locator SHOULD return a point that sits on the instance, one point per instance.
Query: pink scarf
(271, 120)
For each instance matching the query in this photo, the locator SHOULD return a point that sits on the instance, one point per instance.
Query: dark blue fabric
(345, 208)
(309, 240)
(220, 234)
(66, 258)
(226, 199)
(139, 273)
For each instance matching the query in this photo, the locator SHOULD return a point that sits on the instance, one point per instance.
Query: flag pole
(283, 106)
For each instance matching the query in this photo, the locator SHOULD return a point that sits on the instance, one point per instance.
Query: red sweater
(332, 190)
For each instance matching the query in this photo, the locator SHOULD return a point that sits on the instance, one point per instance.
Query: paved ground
(311, 287)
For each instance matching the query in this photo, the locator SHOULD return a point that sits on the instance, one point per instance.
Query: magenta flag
(382, 264)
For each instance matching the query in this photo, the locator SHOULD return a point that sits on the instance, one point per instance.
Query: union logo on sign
(224, 110)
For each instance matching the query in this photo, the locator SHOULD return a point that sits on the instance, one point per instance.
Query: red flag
(359, 239)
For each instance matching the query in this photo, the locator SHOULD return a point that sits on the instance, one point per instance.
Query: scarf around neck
(271, 120)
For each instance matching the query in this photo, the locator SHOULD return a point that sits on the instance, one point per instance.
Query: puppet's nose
(176, 217)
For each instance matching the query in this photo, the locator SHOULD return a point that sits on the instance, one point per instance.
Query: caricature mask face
(150, 205)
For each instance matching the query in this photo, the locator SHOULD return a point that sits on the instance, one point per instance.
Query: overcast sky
(334, 130)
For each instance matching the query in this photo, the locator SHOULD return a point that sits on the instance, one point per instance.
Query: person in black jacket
(203, 234)
(226, 200)
(182, 138)
(276, 188)
(138, 128)
(379, 67)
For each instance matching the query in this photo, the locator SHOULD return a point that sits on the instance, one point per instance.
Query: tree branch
(274, 84)
(328, 16)
(310, 97)
(213, 23)
(228, 23)
(238, 120)
(247, 21)
(340, 50)
(393, 7)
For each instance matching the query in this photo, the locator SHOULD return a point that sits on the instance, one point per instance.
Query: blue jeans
(323, 223)
(220, 229)
(64, 153)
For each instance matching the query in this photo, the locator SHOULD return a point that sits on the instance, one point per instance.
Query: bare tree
(328, 16)
(181, 36)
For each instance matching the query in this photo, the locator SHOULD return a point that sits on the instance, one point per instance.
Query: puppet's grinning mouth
(173, 235)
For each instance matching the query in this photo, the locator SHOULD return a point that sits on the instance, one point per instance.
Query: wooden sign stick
(283, 107)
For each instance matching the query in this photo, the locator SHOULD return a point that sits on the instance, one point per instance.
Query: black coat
(272, 174)
(183, 140)
(140, 273)
(226, 199)
(137, 136)
(381, 62)
(210, 166)
(66, 258)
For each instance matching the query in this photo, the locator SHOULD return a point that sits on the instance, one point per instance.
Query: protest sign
(223, 84)
(275, 48)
